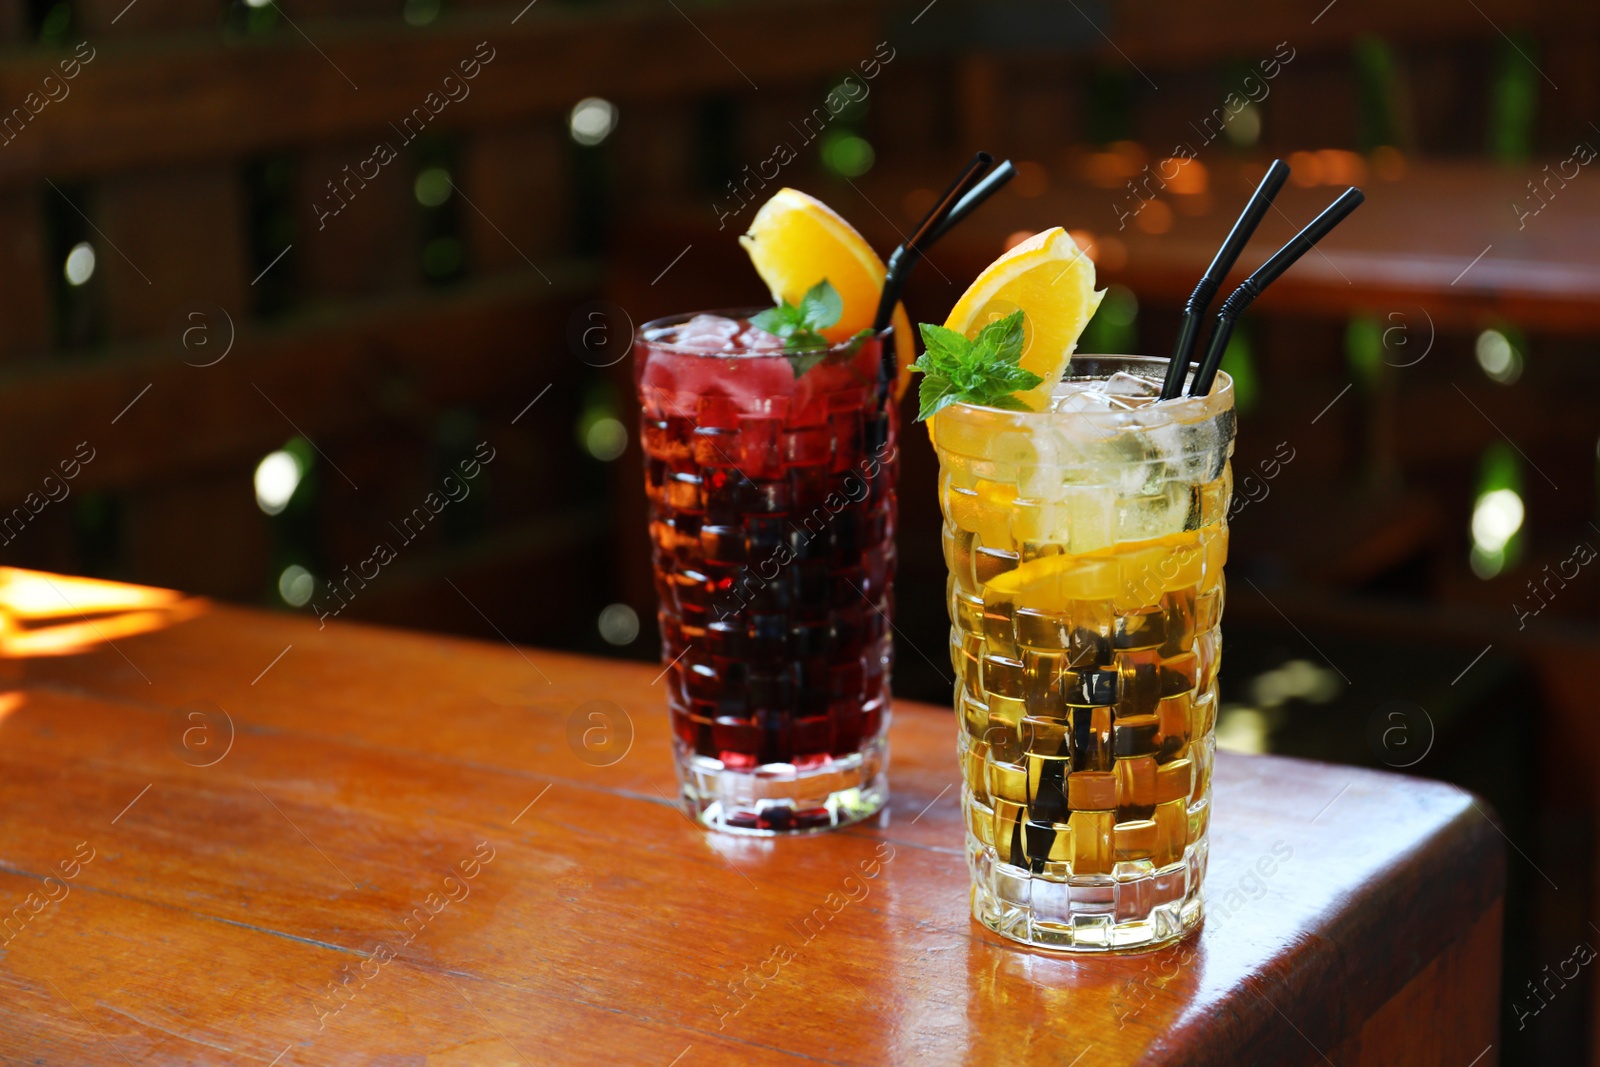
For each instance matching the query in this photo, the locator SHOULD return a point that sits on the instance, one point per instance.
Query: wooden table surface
(230, 837)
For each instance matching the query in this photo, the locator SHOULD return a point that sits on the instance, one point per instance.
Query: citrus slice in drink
(1051, 280)
(796, 240)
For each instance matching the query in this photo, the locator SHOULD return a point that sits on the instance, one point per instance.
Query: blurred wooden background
(479, 285)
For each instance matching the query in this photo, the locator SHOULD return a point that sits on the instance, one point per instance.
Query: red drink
(772, 513)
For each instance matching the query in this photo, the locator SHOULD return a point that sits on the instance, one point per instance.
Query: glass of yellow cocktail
(1085, 530)
(1085, 546)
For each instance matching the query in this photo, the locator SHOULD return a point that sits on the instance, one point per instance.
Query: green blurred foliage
(1239, 360)
(1513, 100)
(1363, 349)
(1377, 84)
(1114, 329)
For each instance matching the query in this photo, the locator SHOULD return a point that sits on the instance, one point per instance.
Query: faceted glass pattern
(1085, 555)
(772, 510)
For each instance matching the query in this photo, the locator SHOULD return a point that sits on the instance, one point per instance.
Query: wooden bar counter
(233, 837)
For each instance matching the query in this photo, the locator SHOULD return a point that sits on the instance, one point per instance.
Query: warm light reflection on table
(57, 615)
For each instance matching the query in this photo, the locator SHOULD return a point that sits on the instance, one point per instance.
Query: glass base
(1087, 913)
(782, 798)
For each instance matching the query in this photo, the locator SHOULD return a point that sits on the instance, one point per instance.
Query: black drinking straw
(1265, 275)
(990, 184)
(1194, 312)
(907, 255)
(910, 252)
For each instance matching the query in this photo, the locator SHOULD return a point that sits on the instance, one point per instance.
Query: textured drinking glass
(772, 511)
(1085, 551)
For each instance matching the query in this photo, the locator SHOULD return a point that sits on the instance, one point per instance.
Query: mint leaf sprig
(800, 327)
(982, 371)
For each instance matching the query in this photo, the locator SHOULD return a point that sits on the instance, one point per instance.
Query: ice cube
(755, 339)
(1147, 516)
(1133, 403)
(708, 333)
(1132, 462)
(1070, 386)
(1130, 385)
(1079, 399)
(1090, 513)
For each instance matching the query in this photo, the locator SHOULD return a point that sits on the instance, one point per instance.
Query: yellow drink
(1085, 551)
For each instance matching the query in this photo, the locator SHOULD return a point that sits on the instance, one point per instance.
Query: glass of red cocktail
(772, 513)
